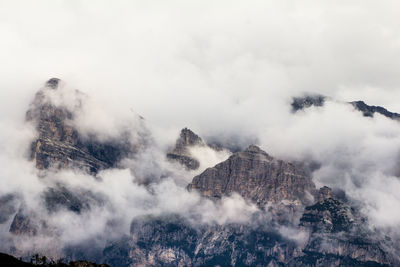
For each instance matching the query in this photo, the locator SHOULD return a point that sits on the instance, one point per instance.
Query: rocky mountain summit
(60, 144)
(299, 103)
(256, 176)
(181, 152)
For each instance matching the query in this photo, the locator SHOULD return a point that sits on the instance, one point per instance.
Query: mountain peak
(61, 145)
(189, 138)
(256, 176)
(181, 153)
(307, 101)
(53, 83)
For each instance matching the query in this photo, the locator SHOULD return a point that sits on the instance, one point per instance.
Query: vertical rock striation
(256, 176)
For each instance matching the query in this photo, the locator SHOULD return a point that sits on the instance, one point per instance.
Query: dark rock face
(307, 101)
(256, 176)
(60, 145)
(181, 153)
(369, 111)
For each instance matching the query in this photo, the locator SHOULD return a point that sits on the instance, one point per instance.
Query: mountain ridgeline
(296, 224)
(309, 100)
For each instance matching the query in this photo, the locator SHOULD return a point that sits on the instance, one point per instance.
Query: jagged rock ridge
(301, 103)
(369, 111)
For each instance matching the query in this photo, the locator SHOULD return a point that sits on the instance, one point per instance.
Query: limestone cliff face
(334, 234)
(172, 241)
(60, 145)
(256, 176)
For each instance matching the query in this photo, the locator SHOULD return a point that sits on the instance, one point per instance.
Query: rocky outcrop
(60, 145)
(258, 177)
(181, 152)
(299, 103)
(330, 214)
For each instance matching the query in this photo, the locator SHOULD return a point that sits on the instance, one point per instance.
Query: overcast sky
(177, 62)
